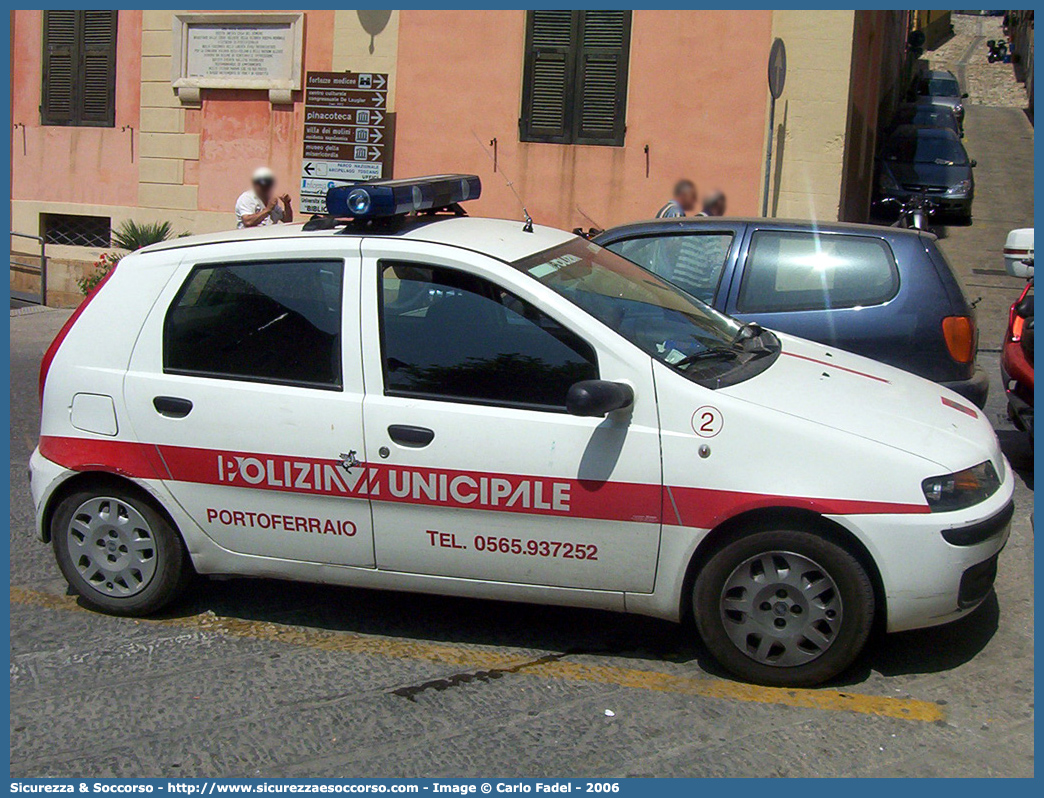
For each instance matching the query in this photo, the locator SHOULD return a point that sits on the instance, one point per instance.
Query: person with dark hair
(713, 204)
(683, 202)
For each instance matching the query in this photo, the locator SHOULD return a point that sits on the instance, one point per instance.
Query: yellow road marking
(478, 658)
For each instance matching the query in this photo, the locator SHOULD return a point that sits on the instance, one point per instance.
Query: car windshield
(942, 87)
(662, 320)
(940, 150)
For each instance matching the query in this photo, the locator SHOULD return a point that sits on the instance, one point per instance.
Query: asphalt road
(264, 678)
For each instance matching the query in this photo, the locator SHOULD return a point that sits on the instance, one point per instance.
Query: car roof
(939, 73)
(503, 239)
(689, 223)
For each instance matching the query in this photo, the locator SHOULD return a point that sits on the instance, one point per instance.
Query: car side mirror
(973, 163)
(964, 96)
(598, 397)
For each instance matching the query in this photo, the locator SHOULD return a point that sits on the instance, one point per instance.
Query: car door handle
(172, 406)
(406, 435)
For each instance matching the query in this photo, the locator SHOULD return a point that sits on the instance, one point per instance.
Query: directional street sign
(345, 139)
(777, 77)
(777, 68)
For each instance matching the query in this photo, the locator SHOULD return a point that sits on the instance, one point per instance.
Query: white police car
(476, 407)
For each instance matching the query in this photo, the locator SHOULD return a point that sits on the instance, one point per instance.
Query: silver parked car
(940, 87)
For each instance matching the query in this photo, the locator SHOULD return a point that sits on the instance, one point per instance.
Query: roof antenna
(528, 226)
(594, 225)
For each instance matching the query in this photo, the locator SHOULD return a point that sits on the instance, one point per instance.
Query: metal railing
(26, 263)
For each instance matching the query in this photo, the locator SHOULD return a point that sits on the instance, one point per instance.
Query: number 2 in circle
(707, 421)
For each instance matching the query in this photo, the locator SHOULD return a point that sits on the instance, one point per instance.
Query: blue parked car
(882, 292)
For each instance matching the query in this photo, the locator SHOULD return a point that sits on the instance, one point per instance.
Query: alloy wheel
(112, 547)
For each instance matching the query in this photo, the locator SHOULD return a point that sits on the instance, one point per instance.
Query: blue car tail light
(398, 197)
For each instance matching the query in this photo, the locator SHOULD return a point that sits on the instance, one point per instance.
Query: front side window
(693, 262)
(574, 81)
(271, 321)
(449, 335)
(79, 68)
(791, 271)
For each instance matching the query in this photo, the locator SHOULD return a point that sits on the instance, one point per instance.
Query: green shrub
(131, 236)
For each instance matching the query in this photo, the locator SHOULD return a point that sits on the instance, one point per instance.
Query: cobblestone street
(965, 55)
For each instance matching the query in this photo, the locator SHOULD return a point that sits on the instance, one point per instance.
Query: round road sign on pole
(777, 68)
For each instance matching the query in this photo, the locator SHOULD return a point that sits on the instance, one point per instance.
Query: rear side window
(789, 271)
(449, 335)
(271, 321)
(693, 262)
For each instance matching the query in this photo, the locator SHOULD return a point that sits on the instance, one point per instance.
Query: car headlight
(960, 490)
(886, 182)
(960, 188)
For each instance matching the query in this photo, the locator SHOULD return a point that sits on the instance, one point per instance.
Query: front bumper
(927, 579)
(975, 389)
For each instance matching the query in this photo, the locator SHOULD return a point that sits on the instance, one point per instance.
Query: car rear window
(793, 270)
(271, 321)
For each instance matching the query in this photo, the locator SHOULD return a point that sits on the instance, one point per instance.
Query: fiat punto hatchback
(398, 396)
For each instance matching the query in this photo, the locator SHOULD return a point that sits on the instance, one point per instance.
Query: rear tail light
(1016, 326)
(959, 332)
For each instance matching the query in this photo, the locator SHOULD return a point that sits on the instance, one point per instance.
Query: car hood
(927, 174)
(938, 99)
(860, 396)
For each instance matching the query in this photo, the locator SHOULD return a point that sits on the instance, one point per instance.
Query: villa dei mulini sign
(237, 51)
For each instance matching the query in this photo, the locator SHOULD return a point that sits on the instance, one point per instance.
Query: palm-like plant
(131, 235)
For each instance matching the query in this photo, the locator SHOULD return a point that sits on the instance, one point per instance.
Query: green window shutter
(99, 68)
(549, 76)
(601, 80)
(61, 31)
(79, 68)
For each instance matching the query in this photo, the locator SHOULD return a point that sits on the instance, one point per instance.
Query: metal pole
(43, 271)
(768, 157)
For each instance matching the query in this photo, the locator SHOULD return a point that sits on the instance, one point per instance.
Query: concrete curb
(28, 310)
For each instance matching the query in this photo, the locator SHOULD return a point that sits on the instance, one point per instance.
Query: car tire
(117, 551)
(783, 607)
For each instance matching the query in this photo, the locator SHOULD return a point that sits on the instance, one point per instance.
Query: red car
(1017, 361)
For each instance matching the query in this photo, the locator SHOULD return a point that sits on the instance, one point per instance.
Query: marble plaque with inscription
(253, 52)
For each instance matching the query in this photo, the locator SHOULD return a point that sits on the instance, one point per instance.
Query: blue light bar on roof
(396, 197)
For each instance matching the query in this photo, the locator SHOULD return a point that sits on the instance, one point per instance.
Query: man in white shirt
(260, 206)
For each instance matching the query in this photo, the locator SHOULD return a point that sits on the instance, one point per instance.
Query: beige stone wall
(812, 114)
(165, 148)
(68, 264)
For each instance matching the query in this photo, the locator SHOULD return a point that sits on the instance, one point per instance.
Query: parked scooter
(914, 212)
(1017, 352)
(998, 50)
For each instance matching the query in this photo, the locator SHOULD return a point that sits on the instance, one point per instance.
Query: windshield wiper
(714, 353)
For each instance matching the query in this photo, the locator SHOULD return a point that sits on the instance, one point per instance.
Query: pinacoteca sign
(237, 51)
